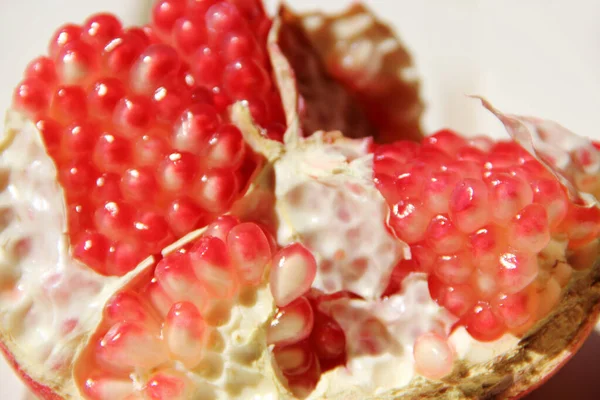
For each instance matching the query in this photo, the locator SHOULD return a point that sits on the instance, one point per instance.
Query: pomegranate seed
(533, 170)
(69, 103)
(392, 159)
(516, 271)
(115, 220)
(433, 355)
(189, 33)
(184, 333)
(177, 171)
(183, 216)
(177, 280)
(482, 324)
(128, 306)
(304, 384)
(293, 271)
(165, 13)
(250, 252)
(258, 109)
(79, 219)
(455, 268)
(100, 29)
(291, 324)
(410, 184)
(133, 114)
(295, 359)
(152, 229)
(409, 219)
(226, 148)
(104, 96)
(51, 132)
(469, 205)
(328, 339)
(112, 153)
(469, 153)
(445, 140)
(106, 189)
(149, 150)
(169, 102)
(91, 249)
(528, 230)
(508, 194)
(443, 237)
(102, 387)
(216, 190)
(138, 185)
(159, 299)
(169, 385)
(222, 18)
(245, 78)
(63, 36)
(437, 191)
(195, 127)
(130, 345)
(76, 62)
(76, 177)
(486, 245)
(79, 138)
(207, 67)
(458, 299)
(582, 225)
(212, 266)
(516, 309)
(124, 257)
(157, 64)
(32, 97)
(120, 53)
(221, 227)
(43, 69)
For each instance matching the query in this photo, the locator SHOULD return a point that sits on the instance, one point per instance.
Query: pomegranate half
(178, 225)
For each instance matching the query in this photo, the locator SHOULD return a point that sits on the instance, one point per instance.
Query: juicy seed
(128, 306)
(195, 127)
(43, 69)
(482, 324)
(291, 324)
(529, 230)
(101, 387)
(293, 271)
(469, 205)
(100, 29)
(184, 333)
(177, 171)
(184, 216)
(165, 13)
(250, 252)
(169, 385)
(76, 62)
(213, 267)
(443, 237)
(517, 309)
(508, 195)
(295, 359)
(215, 190)
(157, 64)
(516, 271)
(32, 97)
(92, 249)
(177, 280)
(409, 220)
(328, 339)
(221, 227)
(433, 355)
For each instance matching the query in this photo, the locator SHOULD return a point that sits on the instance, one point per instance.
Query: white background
(539, 57)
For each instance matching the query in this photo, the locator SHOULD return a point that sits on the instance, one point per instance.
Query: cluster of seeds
(488, 222)
(173, 316)
(136, 122)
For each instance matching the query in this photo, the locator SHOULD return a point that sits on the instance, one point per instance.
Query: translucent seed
(528, 230)
(216, 190)
(101, 386)
(445, 140)
(92, 249)
(157, 64)
(213, 267)
(225, 148)
(133, 115)
(434, 357)
(125, 256)
(195, 127)
(458, 299)
(169, 385)
(207, 67)
(165, 13)
(183, 216)
(469, 205)
(149, 151)
(129, 306)
(79, 138)
(43, 69)
(106, 189)
(139, 185)
(115, 220)
(437, 191)
(51, 132)
(177, 279)
(516, 271)
(99, 29)
(293, 271)
(170, 101)
(177, 171)
(189, 33)
(250, 252)
(295, 359)
(64, 35)
(245, 78)
(104, 96)
(328, 339)
(486, 245)
(291, 324)
(508, 195)
(482, 324)
(76, 62)
(517, 309)
(112, 153)
(185, 333)
(454, 269)
(222, 18)
(582, 225)
(77, 177)
(221, 227)
(159, 299)
(120, 53)
(69, 104)
(152, 229)
(443, 237)
(409, 219)
(304, 384)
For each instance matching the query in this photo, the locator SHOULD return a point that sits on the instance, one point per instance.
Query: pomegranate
(171, 230)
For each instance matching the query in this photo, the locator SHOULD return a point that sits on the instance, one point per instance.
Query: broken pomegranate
(172, 231)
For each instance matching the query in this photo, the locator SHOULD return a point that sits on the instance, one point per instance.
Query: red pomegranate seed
(184, 332)
(482, 324)
(195, 127)
(92, 249)
(469, 153)
(189, 33)
(516, 271)
(100, 29)
(129, 306)
(106, 189)
(437, 191)
(328, 339)
(177, 171)
(293, 271)
(469, 205)
(104, 96)
(553, 197)
(152, 229)
(77, 177)
(221, 227)
(212, 266)
(157, 64)
(409, 219)
(169, 102)
(32, 97)
(454, 269)
(304, 384)
(130, 345)
(183, 216)
(410, 184)
(226, 148)
(124, 257)
(508, 194)
(216, 190)
(443, 237)
(238, 45)
(246, 78)
(222, 18)
(250, 252)
(139, 185)
(168, 385)
(458, 299)
(149, 151)
(103, 387)
(133, 115)
(112, 153)
(486, 245)
(51, 132)
(295, 359)
(516, 309)
(582, 225)
(207, 66)
(42, 68)
(165, 13)
(291, 324)
(176, 278)
(63, 36)
(434, 358)
(445, 140)
(79, 138)
(115, 220)
(528, 230)
(258, 108)
(69, 103)
(120, 53)
(76, 62)
(157, 296)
